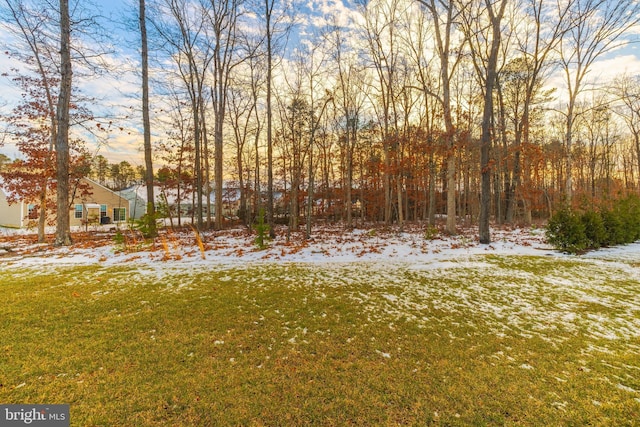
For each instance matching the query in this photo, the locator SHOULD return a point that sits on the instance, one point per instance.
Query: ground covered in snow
(326, 244)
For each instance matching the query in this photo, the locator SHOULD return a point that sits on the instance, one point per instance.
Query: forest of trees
(381, 110)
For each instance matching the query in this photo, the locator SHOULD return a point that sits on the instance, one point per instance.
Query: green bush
(613, 227)
(566, 232)
(573, 233)
(628, 211)
(594, 229)
(147, 224)
(431, 232)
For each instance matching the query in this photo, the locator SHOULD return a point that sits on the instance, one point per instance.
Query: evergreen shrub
(613, 227)
(574, 232)
(628, 211)
(262, 230)
(566, 232)
(594, 229)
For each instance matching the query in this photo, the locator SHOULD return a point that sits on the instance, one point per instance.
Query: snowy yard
(363, 327)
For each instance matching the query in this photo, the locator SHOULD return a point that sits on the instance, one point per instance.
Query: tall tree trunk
(443, 49)
(310, 188)
(569, 158)
(217, 153)
(148, 159)
(485, 140)
(257, 185)
(207, 167)
(451, 191)
(349, 173)
(241, 182)
(431, 214)
(197, 140)
(386, 184)
(42, 218)
(63, 228)
(270, 207)
(352, 134)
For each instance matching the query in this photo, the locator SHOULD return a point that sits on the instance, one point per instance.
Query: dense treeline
(379, 116)
(392, 110)
(116, 176)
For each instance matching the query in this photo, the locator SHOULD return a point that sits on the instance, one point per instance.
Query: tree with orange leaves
(32, 177)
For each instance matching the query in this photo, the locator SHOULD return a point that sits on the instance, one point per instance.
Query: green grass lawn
(489, 341)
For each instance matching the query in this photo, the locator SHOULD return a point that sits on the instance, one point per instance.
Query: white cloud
(600, 73)
(606, 69)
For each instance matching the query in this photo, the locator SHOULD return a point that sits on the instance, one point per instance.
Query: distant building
(168, 198)
(137, 202)
(99, 206)
(164, 197)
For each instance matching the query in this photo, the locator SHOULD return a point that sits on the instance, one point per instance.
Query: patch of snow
(383, 354)
(626, 388)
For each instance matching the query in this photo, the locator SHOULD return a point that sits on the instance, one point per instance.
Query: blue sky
(108, 89)
(118, 94)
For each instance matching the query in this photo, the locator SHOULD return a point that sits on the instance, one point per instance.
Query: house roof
(140, 191)
(100, 185)
(7, 193)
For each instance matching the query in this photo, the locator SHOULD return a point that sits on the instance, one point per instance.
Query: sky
(118, 94)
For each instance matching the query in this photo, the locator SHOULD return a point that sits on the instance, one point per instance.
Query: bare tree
(312, 63)
(350, 97)
(598, 133)
(222, 17)
(245, 120)
(257, 81)
(241, 113)
(183, 34)
(381, 28)
(177, 152)
(294, 110)
(419, 52)
(537, 36)
(627, 90)
(148, 159)
(63, 229)
(598, 27)
(448, 47)
(277, 25)
(48, 51)
(32, 29)
(483, 25)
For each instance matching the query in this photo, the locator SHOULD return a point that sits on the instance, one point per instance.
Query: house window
(119, 214)
(103, 211)
(32, 211)
(78, 212)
